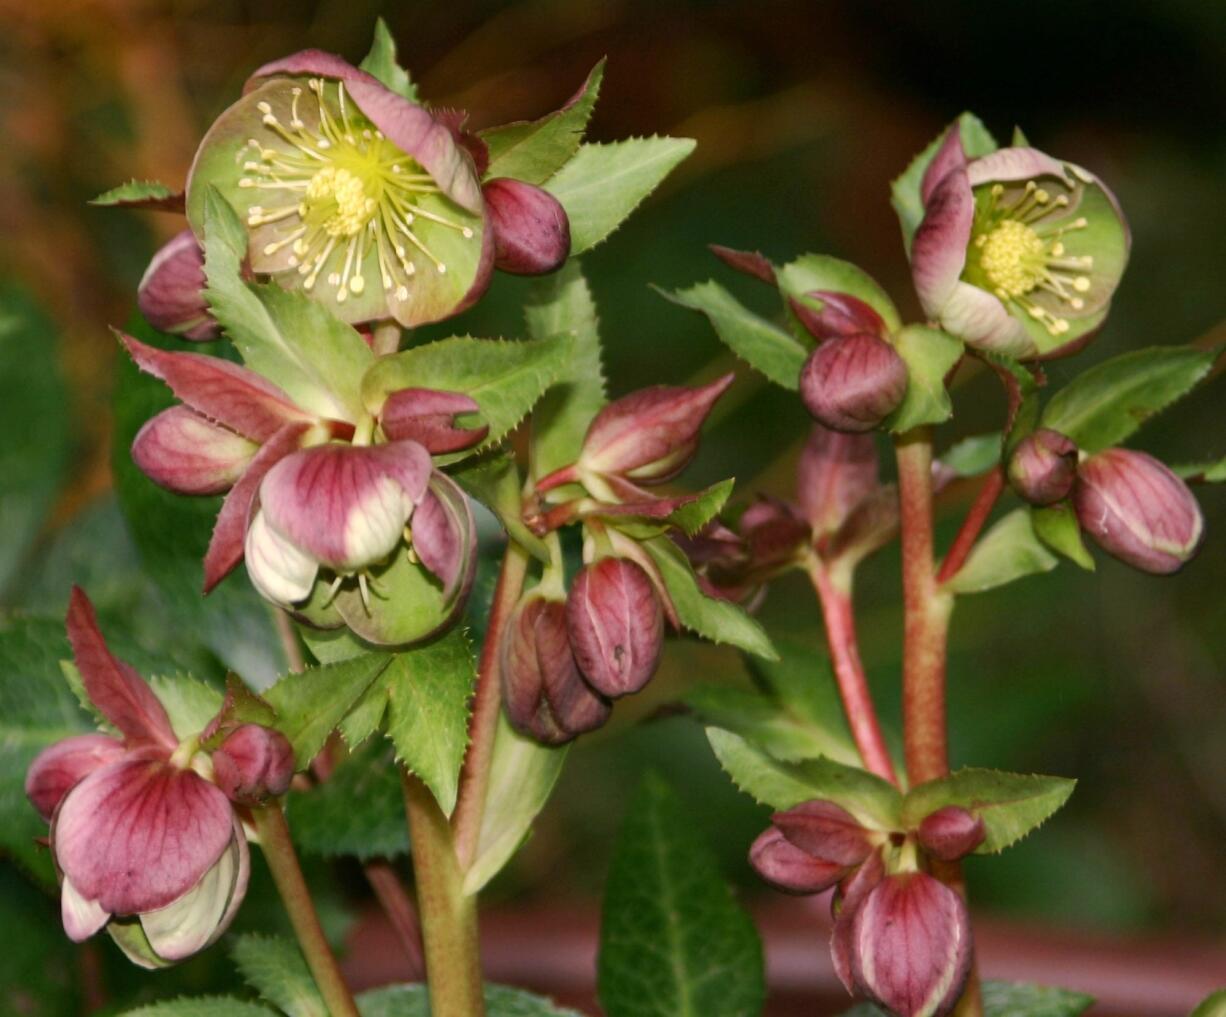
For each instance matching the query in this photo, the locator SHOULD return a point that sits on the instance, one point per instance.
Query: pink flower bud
(911, 946)
(171, 294)
(774, 532)
(836, 473)
(840, 314)
(1043, 467)
(852, 383)
(545, 695)
(1138, 510)
(650, 435)
(60, 767)
(826, 831)
(852, 892)
(786, 867)
(445, 536)
(427, 416)
(253, 764)
(185, 452)
(531, 230)
(951, 833)
(616, 626)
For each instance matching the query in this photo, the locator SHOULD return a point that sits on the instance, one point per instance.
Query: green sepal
(1008, 551)
(1057, 526)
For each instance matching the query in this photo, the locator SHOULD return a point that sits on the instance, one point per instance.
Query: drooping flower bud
(826, 831)
(427, 416)
(531, 230)
(545, 695)
(852, 383)
(851, 893)
(616, 625)
(650, 435)
(1043, 467)
(911, 946)
(786, 867)
(1136, 509)
(185, 452)
(253, 764)
(774, 533)
(951, 833)
(840, 314)
(171, 293)
(836, 472)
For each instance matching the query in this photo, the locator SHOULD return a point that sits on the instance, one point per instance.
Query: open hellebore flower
(1136, 509)
(545, 695)
(1043, 467)
(171, 294)
(1017, 252)
(144, 844)
(853, 382)
(350, 192)
(616, 625)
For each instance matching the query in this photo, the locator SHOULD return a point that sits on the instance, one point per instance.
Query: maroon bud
(754, 264)
(1043, 467)
(531, 231)
(60, 767)
(911, 946)
(253, 764)
(852, 892)
(427, 416)
(951, 833)
(1138, 510)
(773, 531)
(544, 693)
(840, 314)
(616, 625)
(826, 831)
(853, 383)
(171, 294)
(786, 867)
(650, 435)
(836, 473)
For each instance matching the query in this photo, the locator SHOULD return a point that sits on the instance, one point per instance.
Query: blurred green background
(803, 112)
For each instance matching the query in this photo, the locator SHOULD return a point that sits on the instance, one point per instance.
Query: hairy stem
(487, 702)
(287, 875)
(833, 587)
(448, 915)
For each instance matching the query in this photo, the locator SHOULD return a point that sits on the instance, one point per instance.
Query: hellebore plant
(330, 210)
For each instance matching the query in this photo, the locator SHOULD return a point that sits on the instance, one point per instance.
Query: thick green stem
(926, 611)
(283, 864)
(448, 915)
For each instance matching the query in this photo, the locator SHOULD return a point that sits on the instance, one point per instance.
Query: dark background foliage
(803, 111)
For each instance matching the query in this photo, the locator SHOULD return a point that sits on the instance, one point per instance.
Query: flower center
(1023, 259)
(355, 199)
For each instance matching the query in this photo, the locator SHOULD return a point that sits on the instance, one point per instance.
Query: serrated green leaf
(201, 1006)
(905, 191)
(381, 63)
(812, 272)
(689, 517)
(311, 703)
(1057, 526)
(1008, 551)
(1011, 805)
(189, 702)
(358, 811)
(134, 191)
(673, 940)
(495, 482)
(428, 689)
(973, 456)
(413, 1001)
(783, 785)
(504, 377)
(522, 776)
(274, 967)
(763, 345)
(1012, 999)
(1106, 404)
(929, 354)
(32, 468)
(293, 341)
(1212, 471)
(716, 620)
(562, 304)
(603, 183)
(534, 150)
(37, 709)
(1213, 1006)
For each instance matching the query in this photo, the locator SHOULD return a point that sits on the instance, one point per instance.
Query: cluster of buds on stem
(901, 937)
(146, 831)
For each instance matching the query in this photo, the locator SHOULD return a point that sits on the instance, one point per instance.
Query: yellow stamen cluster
(352, 192)
(1020, 254)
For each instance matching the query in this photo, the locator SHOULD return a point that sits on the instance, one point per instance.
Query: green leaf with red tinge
(1009, 550)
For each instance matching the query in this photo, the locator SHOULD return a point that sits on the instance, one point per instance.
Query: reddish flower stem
(833, 587)
(972, 525)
